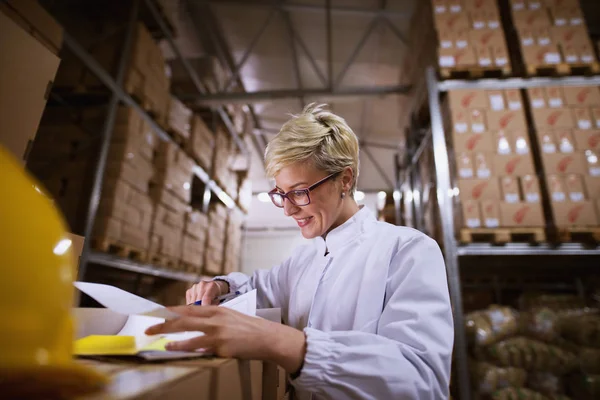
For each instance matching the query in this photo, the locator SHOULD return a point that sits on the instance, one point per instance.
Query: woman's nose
(289, 208)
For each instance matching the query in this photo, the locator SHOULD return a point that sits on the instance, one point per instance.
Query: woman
(365, 304)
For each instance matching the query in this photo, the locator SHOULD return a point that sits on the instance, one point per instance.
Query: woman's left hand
(228, 333)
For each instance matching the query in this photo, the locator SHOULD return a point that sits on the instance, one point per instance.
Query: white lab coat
(375, 311)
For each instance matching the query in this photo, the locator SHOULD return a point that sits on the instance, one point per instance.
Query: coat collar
(345, 233)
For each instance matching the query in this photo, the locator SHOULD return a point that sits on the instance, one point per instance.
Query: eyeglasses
(298, 197)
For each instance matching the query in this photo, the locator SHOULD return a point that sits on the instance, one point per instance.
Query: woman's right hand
(206, 291)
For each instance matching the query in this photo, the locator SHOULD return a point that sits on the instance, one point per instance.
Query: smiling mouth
(303, 221)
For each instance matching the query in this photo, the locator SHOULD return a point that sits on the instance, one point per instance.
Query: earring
(343, 195)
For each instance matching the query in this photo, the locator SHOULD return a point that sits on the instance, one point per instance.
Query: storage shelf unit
(409, 186)
(119, 95)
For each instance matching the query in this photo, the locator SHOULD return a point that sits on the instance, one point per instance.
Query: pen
(221, 299)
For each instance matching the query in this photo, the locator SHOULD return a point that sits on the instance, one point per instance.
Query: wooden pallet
(112, 246)
(563, 69)
(475, 72)
(579, 234)
(160, 260)
(188, 267)
(502, 235)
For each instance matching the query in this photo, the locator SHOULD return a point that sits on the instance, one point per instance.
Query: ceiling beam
(295, 63)
(267, 95)
(356, 52)
(329, 31)
(358, 11)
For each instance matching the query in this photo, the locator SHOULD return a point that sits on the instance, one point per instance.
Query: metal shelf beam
(523, 249)
(112, 261)
(518, 83)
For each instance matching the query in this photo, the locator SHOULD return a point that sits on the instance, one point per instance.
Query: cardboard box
(530, 187)
(569, 34)
(556, 188)
(513, 165)
(486, 38)
(459, 120)
(521, 215)
(179, 118)
(582, 96)
(471, 214)
(513, 99)
(587, 140)
(484, 56)
(479, 189)
(562, 164)
(575, 187)
(537, 97)
(596, 116)
(508, 120)
(510, 189)
(574, 214)
(526, 36)
(496, 100)
(451, 22)
(490, 213)
(451, 58)
(553, 119)
(24, 86)
(547, 142)
(570, 53)
(473, 142)
(555, 96)
(461, 39)
(593, 163)
(482, 163)
(500, 55)
(565, 142)
(464, 165)
(440, 6)
(582, 117)
(537, 55)
(543, 36)
(521, 143)
(503, 143)
(464, 99)
(592, 186)
(532, 19)
(587, 53)
(567, 15)
(477, 120)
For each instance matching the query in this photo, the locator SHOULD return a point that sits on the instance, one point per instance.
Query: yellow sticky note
(103, 345)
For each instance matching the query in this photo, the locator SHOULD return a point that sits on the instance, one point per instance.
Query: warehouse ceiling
(288, 54)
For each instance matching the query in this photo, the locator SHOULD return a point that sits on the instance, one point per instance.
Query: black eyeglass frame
(306, 191)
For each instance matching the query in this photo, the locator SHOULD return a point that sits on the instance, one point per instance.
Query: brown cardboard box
(484, 56)
(532, 19)
(477, 120)
(565, 142)
(483, 165)
(471, 214)
(574, 186)
(555, 96)
(587, 139)
(503, 143)
(490, 213)
(486, 37)
(543, 36)
(593, 163)
(461, 39)
(440, 6)
(556, 188)
(569, 34)
(526, 36)
(513, 99)
(521, 143)
(596, 116)
(530, 187)
(547, 142)
(537, 55)
(473, 142)
(521, 215)
(460, 121)
(179, 118)
(592, 186)
(500, 54)
(464, 99)
(570, 53)
(24, 86)
(510, 189)
(447, 39)
(196, 224)
(559, 163)
(574, 214)
(582, 117)
(513, 165)
(553, 118)
(476, 5)
(508, 120)
(479, 189)
(496, 100)
(582, 96)
(537, 97)
(587, 53)
(451, 22)
(451, 58)
(464, 165)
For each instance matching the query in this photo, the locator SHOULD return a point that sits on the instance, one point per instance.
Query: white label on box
(549, 148)
(572, 58)
(518, 6)
(514, 105)
(478, 25)
(465, 173)
(478, 128)
(497, 102)
(598, 123)
(555, 102)
(511, 198)
(440, 9)
(560, 21)
(538, 103)
(527, 41)
(543, 41)
(501, 61)
(492, 222)
(493, 24)
(576, 21)
(456, 8)
(461, 44)
(532, 197)
(460, 127)
(566, 146)
(558, 196)
(446, 44)
(576, 196)
(483, 173)
(535, 6)
(552, 58)
(447, 61)
(595, 171)
(587, 58)
(473, 223)
(584, 124)
(485, 62)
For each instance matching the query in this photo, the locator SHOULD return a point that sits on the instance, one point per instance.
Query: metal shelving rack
(456, 254)
(118, 95)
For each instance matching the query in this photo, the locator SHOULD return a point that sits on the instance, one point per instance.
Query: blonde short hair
(316, 136)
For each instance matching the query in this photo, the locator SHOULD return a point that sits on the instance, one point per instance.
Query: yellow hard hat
(36, 291)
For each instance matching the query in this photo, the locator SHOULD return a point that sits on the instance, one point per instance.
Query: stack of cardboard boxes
(223, 153)
(552, 32)
(215, 247)
(233, 247)
(470, 34)
(566, 121)
(171, 193)
(201, 144)
(496, 177)
(145, 78)
(193, 242)
(179, 120)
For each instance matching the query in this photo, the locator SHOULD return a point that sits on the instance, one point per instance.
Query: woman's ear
(347, 179)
